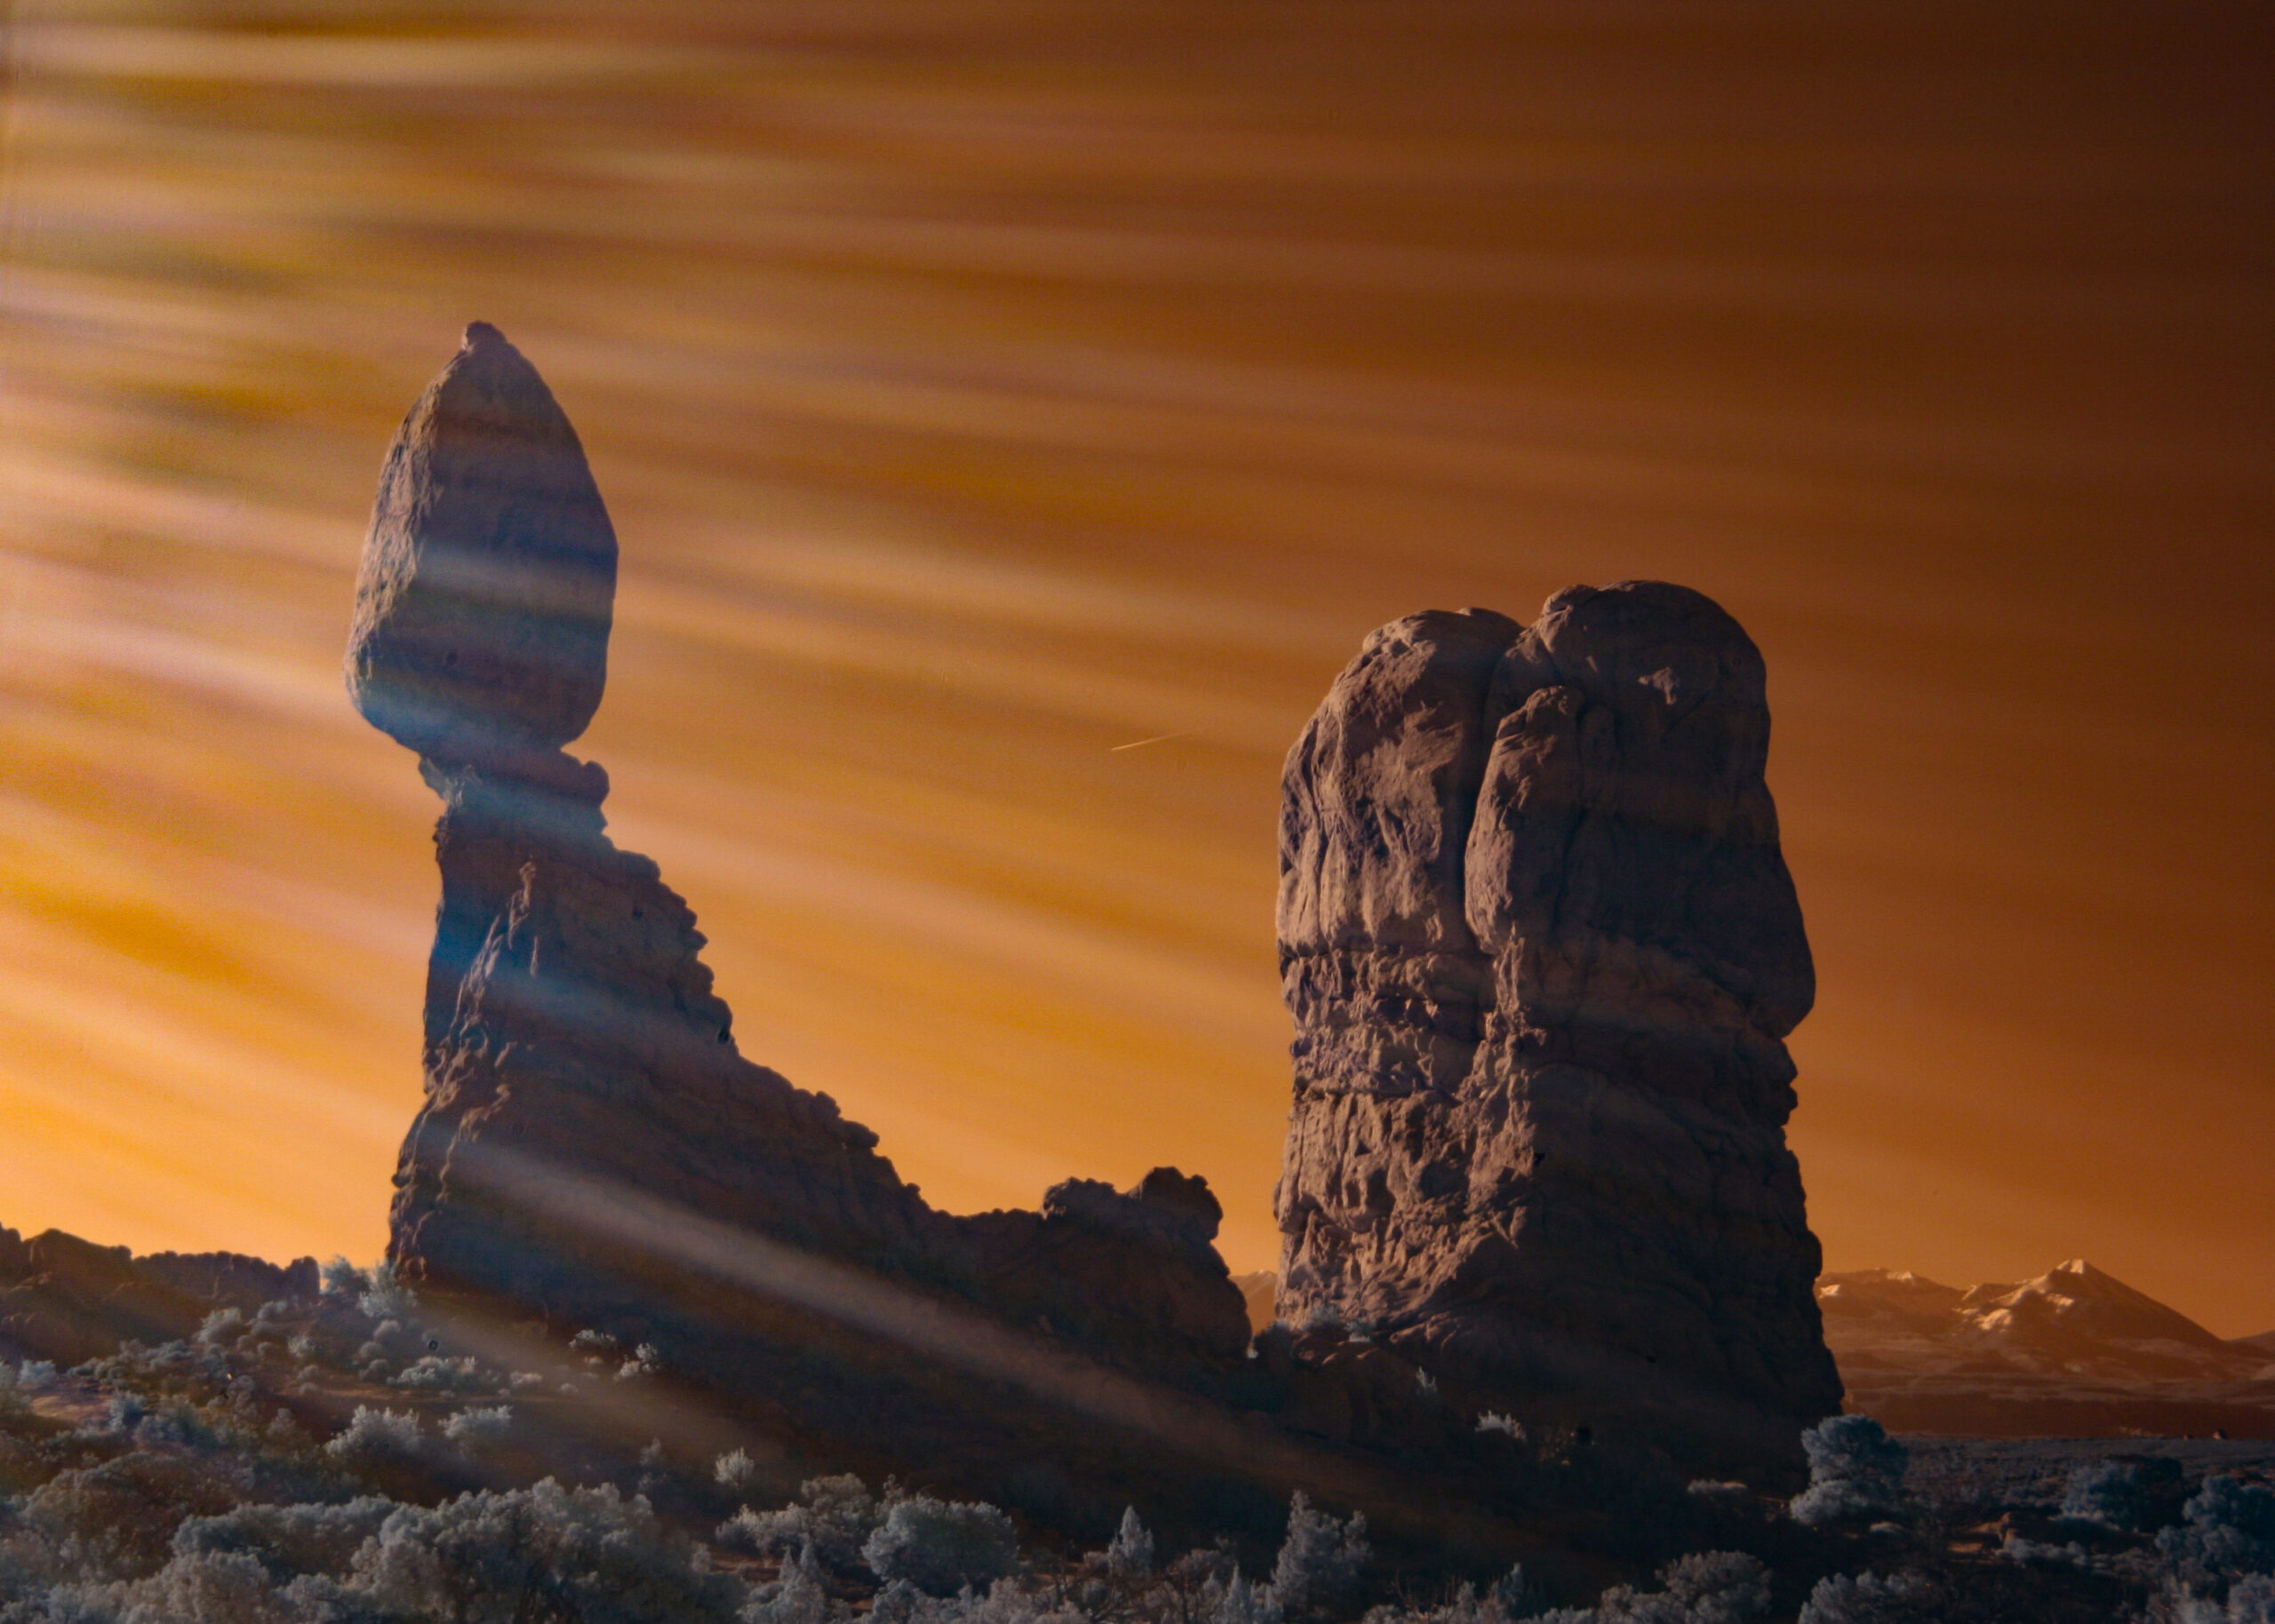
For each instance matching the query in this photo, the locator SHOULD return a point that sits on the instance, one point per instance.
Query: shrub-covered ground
(342, 1461)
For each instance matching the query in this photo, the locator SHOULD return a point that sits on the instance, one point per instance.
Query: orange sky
(978, 387)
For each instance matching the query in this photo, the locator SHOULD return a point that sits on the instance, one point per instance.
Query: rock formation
(577, 1062)
(1542, 952)
(1540, 946)
(489, 581)
(66, 1299)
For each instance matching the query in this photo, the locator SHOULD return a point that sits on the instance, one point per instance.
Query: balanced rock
(1542, 951)
(483, 604)
(595, 1152)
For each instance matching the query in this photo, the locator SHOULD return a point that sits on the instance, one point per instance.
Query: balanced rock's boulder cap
(488, 581)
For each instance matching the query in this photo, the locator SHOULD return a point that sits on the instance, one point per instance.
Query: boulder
(489, 579)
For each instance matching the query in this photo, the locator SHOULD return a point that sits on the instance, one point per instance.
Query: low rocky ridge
(65, 1300)
(1542, 952)
(2072, 1353)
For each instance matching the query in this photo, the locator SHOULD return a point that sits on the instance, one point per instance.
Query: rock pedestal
(594, 1151)
(1542, 952)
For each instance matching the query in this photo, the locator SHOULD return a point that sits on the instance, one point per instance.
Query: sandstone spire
(1542, 952)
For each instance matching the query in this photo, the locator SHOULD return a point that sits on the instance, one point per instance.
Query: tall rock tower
(1542, 952)
(594, 1150)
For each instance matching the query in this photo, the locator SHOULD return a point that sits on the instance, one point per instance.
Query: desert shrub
(2227, 1534)
(833, 1515)
(1718, 1587)
(543, 1555)
(287, 1540)
(941, 1546)
(2251, 1600)
(1319, 1561)
(736, 1471)
(1855, 1471)
(2128, 1496)
(1508, 1597)
(209, 1587)
(1869, 1598)
(799, 1596)
(1132, 1553)
(386, 1297)
(434, 1373)
(2045, 1553)
(340, 1279)
(478, 1426)
(1704, 1587)
(1236, 1601)
(116, 1520)
(221, 1327)
(374, 1438)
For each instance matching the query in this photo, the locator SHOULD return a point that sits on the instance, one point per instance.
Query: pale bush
(210, 1588)
(386, 1297)
(1237, 1601)
(221, 1327)
(377, 1437)
(567, 1555)
(799, 1596)
(478, 1426)
(1855, 1471)
(1132, 1553)
(434, 1373)
(1868, 1598)
(116, 1520)
(2227, 1534)
(941, 1546)
(1319, 1561)
(2124, 1495)
(288, 1540)
(834, 1515)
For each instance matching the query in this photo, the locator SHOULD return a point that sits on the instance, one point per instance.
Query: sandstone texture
(483, 604)
(1542, 952)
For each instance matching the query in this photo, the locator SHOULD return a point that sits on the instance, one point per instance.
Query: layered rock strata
(583, 1082)
(1542, 951)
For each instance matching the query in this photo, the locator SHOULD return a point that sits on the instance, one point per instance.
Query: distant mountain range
(2074, 1352)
